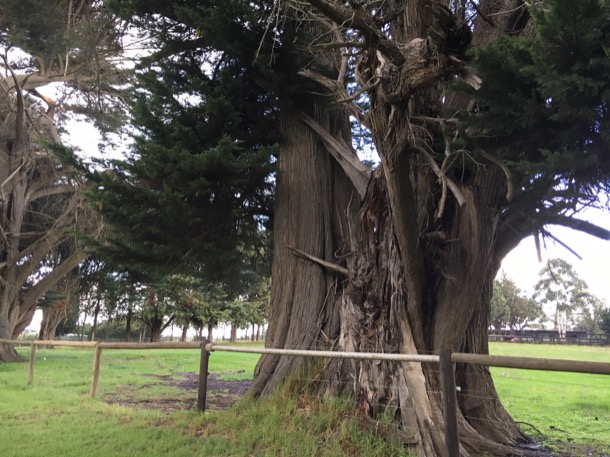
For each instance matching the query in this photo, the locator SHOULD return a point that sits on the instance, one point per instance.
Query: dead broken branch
(328, 265)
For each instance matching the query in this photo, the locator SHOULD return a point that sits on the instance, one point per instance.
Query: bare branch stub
(328, 265)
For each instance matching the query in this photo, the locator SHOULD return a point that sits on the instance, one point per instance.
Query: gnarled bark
(420, 262)
(313, 198)
(31, 184)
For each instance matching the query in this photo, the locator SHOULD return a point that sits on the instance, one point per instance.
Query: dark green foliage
(115, 329)
(172, 207)
(196, 192)
(33, 24)
(543, 106)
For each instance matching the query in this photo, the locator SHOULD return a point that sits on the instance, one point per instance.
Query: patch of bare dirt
(220, 394)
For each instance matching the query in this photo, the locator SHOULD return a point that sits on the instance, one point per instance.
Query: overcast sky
(522, 265)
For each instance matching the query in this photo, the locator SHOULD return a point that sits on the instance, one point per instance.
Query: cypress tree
(406, 261)
(196, 190)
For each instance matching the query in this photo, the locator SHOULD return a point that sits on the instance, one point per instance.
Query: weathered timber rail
(446, 360)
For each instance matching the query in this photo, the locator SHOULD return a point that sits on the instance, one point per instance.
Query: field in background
(566, 408)
(144, 408)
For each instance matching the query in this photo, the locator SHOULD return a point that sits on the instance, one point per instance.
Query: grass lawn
(568, 409)
(55, 416)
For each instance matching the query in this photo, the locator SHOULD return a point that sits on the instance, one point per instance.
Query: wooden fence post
(32, 362)
(452, 439)
(96, 371)
(203, 376)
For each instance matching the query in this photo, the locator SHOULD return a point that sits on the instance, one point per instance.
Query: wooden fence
(545, 338)
(446, 360)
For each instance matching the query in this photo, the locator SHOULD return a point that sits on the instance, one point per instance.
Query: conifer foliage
(196, 191)
(545, 95)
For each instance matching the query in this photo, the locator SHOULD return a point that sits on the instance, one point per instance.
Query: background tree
(194, 196)
(588, 316)
(499, 312)
(511, 307)
(60, 308)
(604, 321)
(561, 288)
(196, 190)
(210, 311)
(524, 311)
(44, 42)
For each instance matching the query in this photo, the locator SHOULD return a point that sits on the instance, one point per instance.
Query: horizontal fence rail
(328, 354)
(168, 345)
(530, 363)
(524, 363)
(78, 344)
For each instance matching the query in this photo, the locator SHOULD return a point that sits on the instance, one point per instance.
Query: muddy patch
(182, 394)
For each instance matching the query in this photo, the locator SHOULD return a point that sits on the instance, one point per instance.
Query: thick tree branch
(34, 294)
(337, 45)
(48, 191)
(365, 23)
(453, 187)
(19, 115)
(581, 226)
(168, 323)
(42, 247)
(7, 180)
(328, 265)
(338, 90)
(34, 80)
(510, 190)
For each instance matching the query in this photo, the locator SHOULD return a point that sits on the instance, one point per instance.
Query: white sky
(522, 265)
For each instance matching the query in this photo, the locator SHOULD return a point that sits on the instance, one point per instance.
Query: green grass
(570, 411)
(56, 418)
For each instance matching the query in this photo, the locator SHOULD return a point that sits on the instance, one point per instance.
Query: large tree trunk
(156, 328)
(96, 312)
(52, 316)
(313, 197)
(419, 266)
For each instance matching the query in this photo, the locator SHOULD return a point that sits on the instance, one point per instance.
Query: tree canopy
(74, 43)
(195, 194)
(568, 297)
(511, 307)
(490, 120)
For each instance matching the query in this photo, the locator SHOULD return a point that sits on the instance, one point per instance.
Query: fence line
(525, 363)
(447, 359)
(546, 338)
(81, 344)
(167, 345)
(210, 347)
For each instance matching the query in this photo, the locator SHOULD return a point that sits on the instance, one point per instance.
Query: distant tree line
(560, 297)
